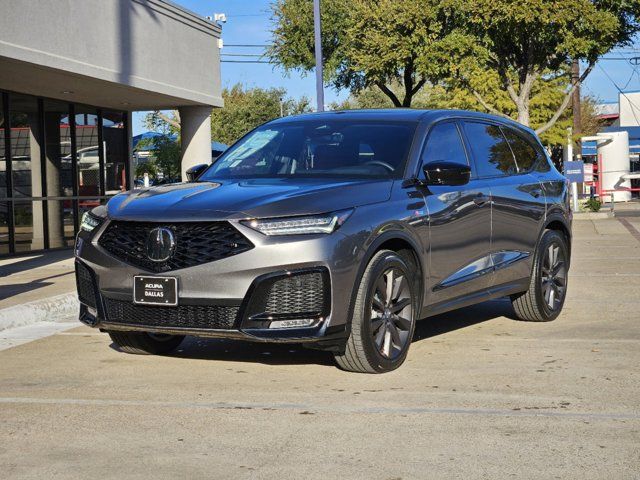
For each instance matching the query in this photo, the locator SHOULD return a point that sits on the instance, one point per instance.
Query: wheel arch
(401, 243)
(558, 223)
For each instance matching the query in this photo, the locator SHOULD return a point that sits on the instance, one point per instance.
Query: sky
(248, 22)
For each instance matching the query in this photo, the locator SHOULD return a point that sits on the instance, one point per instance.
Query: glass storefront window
(57, 137)
(87, 147)
(65, 159)
(4, 228)
(25, 146)
(61, 225)
(115, 152)
(3, 160)
(28, 225)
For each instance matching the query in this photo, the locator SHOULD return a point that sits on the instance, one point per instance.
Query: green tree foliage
(166, 157)
(246, 109)
(591, 122)
(547, 96)
(511, 56)
(367, 43)
(522, 41)
(149, 167)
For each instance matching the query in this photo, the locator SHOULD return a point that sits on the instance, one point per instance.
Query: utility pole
(575, 104)
(318, 52)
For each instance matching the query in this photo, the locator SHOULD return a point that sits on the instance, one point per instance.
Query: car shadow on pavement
(30, 262)
(462, 318)
(251, 352)
(295, 354)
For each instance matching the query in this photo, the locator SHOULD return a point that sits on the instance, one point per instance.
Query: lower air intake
(218, 317)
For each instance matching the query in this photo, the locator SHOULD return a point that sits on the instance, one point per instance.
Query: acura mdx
(334, 230)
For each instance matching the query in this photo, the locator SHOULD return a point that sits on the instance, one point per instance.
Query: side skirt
(492, 293)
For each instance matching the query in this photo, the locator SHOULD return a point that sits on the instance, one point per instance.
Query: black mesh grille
(84, 283)
(196, 243)
(182, 316)
(297, 294)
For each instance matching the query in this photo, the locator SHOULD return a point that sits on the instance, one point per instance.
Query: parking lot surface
(480, 396)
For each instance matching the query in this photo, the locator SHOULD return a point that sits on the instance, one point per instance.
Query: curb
(591, 215)
(49, 309)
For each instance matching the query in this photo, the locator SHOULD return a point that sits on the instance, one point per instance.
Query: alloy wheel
(553, 276)
(391, 313)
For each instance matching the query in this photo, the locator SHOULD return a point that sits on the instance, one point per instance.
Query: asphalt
(480, 396)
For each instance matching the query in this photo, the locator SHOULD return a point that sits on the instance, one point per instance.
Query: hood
(255, 198)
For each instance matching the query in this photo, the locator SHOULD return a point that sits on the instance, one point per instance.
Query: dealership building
(71, 74)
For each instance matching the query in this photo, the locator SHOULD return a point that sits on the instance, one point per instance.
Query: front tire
(548, 285)
(143, 343)
(384, 316)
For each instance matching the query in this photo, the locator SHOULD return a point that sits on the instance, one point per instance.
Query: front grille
(196, 243)
(183, 316)
(303, 293)
(85, 285)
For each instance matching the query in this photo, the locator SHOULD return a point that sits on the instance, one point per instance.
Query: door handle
(481, 199)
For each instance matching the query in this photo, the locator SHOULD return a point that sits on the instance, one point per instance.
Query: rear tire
(143, 343)
(548, 284)
(384, 316)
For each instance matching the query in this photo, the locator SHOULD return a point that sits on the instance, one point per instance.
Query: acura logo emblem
(160, 244)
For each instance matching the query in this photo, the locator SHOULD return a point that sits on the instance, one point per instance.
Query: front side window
(444, 145)
(318, 149)
(491, 151)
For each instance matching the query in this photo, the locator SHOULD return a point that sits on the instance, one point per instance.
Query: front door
(459, 223)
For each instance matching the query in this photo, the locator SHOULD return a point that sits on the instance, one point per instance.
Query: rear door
(459, 222)
(505, 158)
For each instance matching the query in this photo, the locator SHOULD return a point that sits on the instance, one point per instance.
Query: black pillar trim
(101, 182)
(127, 159)
(43, 170)
(74, 167)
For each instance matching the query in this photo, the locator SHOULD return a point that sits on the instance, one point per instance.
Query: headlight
(326, 223)
(89, 221)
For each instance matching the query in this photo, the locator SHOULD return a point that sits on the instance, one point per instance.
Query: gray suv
(334, 230)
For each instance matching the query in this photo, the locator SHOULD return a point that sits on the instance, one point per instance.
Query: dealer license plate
(155, 290)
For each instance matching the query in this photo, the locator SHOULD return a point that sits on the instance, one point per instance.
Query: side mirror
(194, 172)
(446, 173)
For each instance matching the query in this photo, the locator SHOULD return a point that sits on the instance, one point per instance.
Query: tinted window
(444, 145)
(491, 151)
(524, 152)
(311, 149)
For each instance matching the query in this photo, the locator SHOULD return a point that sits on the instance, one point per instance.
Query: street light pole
(318, 52)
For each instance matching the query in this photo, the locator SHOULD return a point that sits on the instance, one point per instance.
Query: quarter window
(491, 151)
(524, 152)
(444, 145)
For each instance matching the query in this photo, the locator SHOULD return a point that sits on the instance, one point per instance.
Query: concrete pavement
(30, 278)
(480, 396)
(37, 296)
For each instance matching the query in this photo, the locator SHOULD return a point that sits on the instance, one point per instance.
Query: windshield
(318, 149)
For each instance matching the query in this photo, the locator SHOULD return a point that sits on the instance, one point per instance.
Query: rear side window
(490, 149)
(444, 145)
(524, 152)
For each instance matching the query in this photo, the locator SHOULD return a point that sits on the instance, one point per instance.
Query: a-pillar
(195, 135)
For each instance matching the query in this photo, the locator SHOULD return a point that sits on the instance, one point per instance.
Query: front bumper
(237, 297)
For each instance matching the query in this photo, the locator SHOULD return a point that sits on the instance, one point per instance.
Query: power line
(248, 15)
(259, 55)
(633, 105)
(247, 45)
(243, 61)
(618, 58)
